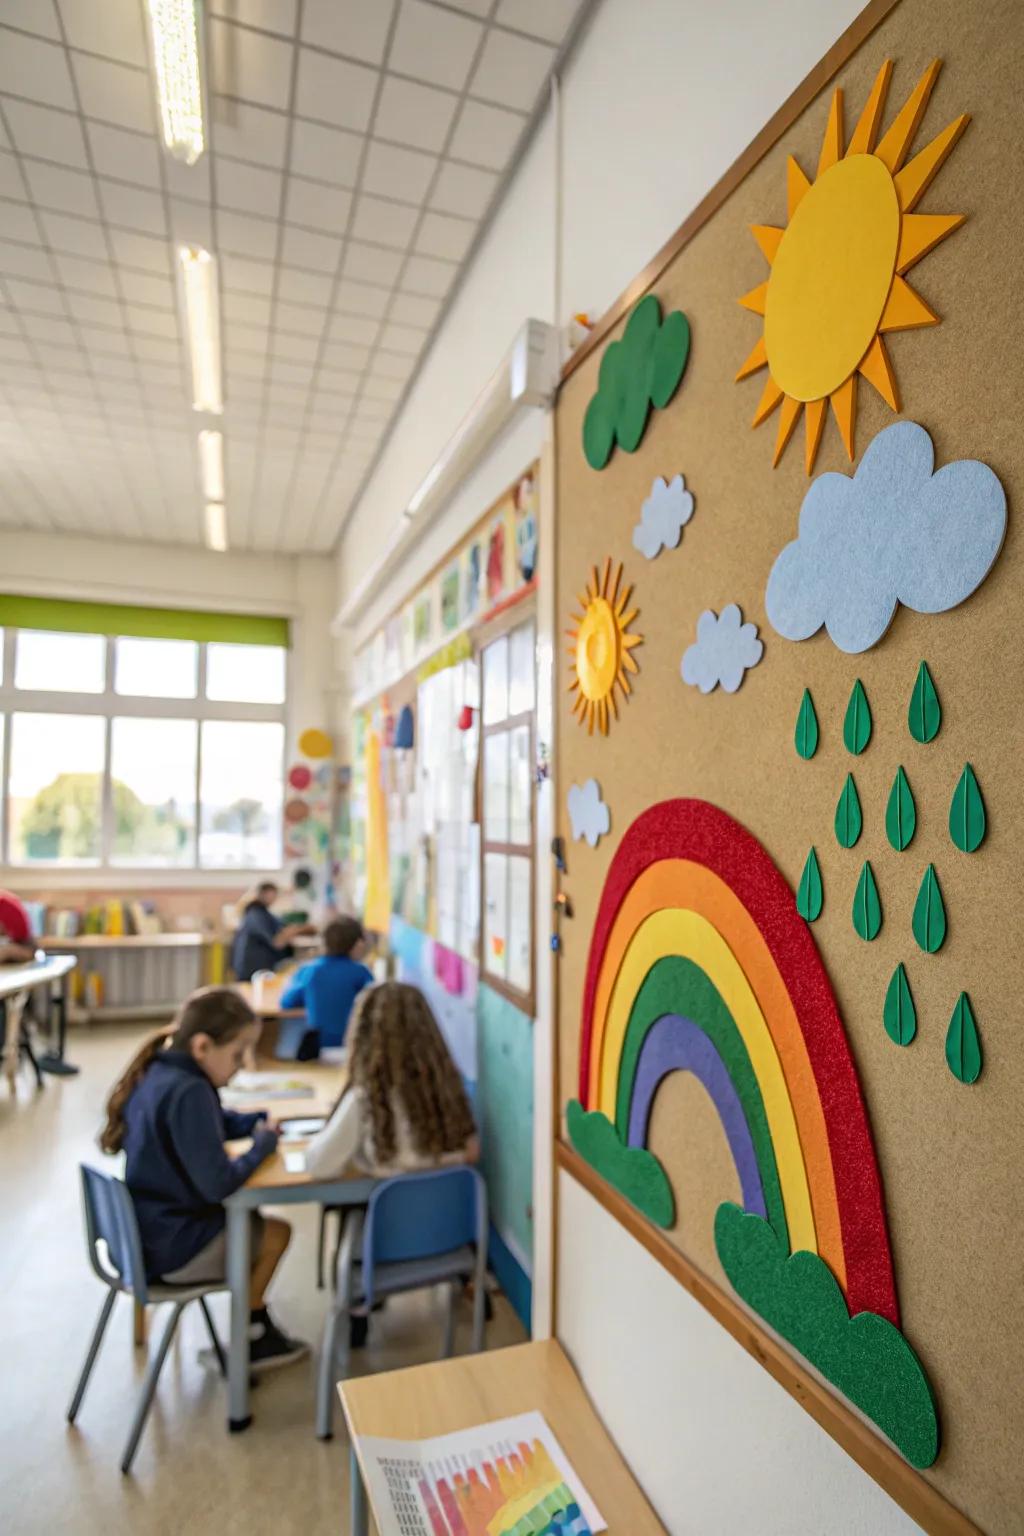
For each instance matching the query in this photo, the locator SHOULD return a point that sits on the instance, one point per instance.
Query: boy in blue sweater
(328, 986)
(165, 1114)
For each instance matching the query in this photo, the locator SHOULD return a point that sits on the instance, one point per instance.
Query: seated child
(16, 946)
(262, 940)
(165, 1114)
(328, 986)
(404, 1106)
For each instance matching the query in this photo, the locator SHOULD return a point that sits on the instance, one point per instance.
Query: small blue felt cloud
(894, 533)
(588, 813)
(725, 647)
(663, 516)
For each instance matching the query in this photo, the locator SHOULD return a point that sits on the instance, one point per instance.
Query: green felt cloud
(865, 1356)
(641, 370)
(633, 1171)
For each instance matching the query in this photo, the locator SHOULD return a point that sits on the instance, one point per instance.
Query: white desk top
(34, 973)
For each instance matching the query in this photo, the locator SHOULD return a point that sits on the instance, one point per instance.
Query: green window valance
(148, 623)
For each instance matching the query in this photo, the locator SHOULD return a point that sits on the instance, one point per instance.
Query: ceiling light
(211, 464)
(199, 274)
(216, 527)
(172, 26)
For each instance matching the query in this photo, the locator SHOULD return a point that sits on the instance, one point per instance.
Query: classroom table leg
(139, 1324)
(359, 1521)
(52, 1061)
(238, 1265)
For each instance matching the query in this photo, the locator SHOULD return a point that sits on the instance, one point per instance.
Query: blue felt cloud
(725, 647)
(894, 533)
(663, 516)
(588, 813)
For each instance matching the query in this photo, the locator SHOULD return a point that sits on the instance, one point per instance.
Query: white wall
(718, 1446)
(659, 99)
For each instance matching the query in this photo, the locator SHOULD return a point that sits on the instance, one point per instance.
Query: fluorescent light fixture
(216, 526)
(172, 27)
(211, 464)
(202, 312)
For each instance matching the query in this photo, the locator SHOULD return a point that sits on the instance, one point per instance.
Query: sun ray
(862, 140)
(844, 407)
(622, 600)
(918, 174)
(893, 148)
(626, 620)
(921, 233)
(758, 359)
(623, 682)
(602, 716)
(629, 663)
(814, 421)
(770, 398)
(606, 575)
(797, 184)
(832, 143)
(877, 369)
(904, 309)
(614, 704)
(788, 419)
(767, 237)
(756, 299)
(629, 641)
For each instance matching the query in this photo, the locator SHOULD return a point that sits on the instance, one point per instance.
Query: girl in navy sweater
(165, 1114)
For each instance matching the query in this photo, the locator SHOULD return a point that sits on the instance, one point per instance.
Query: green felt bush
(641, 370)
(633, 1171)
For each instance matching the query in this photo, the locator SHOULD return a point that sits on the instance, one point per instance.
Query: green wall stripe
(149, 623)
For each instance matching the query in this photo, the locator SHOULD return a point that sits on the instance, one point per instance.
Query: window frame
(110, 705)
(517, 617)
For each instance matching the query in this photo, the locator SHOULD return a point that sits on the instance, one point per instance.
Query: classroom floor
(189, 1474)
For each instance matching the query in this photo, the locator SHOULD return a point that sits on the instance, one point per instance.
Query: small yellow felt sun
(601, 649)
(836, 285)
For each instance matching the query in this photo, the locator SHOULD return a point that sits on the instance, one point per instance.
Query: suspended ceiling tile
(511, 70)
(249, 133)
(249, 65)
(334, 90)
(113, 28)
(113, 93)
(464, 190)
(46, 133)
(413, 114)
(34, 69)
(434, 45)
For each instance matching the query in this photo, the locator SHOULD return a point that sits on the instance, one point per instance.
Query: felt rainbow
(699, 962)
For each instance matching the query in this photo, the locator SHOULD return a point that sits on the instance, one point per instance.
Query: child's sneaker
(268, 1346)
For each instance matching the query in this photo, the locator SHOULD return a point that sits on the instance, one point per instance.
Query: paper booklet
(507, 1478)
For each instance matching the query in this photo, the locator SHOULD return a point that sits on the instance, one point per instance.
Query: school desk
(269, 1011)
(427, 1400)
(273, 1184)
(16, 982)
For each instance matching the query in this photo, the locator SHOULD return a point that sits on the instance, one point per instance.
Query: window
(157, 754)
(507, 770)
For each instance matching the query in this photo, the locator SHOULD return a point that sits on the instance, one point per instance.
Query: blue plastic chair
(419, 1230)
(110, 1220)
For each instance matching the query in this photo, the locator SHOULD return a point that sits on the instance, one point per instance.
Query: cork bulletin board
(891, 1144)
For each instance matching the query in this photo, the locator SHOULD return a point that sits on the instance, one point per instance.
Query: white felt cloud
(894, 533)
(663, 516)
(725, 647)
(588, 813)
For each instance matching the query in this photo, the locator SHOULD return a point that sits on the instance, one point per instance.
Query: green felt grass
(633, 1171)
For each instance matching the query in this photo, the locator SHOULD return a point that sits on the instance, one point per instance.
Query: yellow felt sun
(836, 286)
(601, 649)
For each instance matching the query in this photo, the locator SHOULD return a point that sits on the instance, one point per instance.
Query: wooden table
(429, 1400)
(16, 982)
(273, 1184)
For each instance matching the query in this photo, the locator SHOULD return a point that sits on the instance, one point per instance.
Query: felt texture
(805, 737)
(641, 370)
(900, 813)
(924, 713)
(676, 933)
(967, 813)
(698, 831)
(809, 893)
(894, 533)
(963, 1044)
(929, 920)
(676, 1044)
(898, 1013)
(867, 907)
(682, 883)
(664, 514)
(857, 723)
(724, 650)
(677, 985)
(633, 1171)
(589, 816)
(861, 1354)
(848, 818)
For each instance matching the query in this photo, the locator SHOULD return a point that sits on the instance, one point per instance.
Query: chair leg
(90, 1359)
(321, 1243)
(149, 1388)
(218, 1347)
(480, 1299)
(448, 1337)
(334, 1350)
